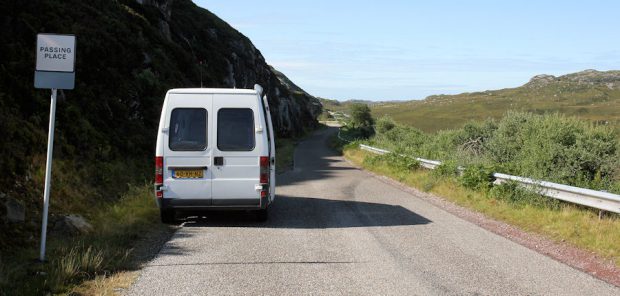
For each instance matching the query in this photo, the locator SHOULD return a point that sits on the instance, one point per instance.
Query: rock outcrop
(610, 79)
(15, 210)
(70, 225)
(236, 63)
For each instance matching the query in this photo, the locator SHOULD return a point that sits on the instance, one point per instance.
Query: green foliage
(360, 116)
(478, 177)
(554, 147)
(117, 228)
(446, 169)
(394, 160)
(385, 124)
(513, 193)
(74, 263)
(550, 147)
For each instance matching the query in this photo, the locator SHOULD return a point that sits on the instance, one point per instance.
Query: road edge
(570, 255)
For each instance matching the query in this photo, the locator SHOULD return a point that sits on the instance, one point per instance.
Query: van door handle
(218, 160)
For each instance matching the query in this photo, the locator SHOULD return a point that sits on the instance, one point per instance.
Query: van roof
(211, 91)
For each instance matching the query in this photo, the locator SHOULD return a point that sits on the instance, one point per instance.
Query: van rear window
(235, 129)
(188, 129)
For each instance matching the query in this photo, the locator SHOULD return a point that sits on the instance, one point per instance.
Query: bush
(549, 147)
(477, 177)
(555, 148)
(513, 193)
(446, 169)
(385, 124)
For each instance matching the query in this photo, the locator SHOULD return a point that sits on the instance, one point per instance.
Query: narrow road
(337, 230)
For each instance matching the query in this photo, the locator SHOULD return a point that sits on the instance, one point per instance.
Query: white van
(215, 151)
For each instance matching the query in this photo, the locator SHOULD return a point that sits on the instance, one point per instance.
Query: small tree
(360, 116)
(361, 119)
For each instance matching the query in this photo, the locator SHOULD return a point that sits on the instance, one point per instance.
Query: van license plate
(188, 174)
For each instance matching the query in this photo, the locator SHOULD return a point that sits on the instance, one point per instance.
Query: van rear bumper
(215, 204)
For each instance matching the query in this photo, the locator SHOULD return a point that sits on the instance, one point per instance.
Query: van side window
(235, 129)
(188, 129)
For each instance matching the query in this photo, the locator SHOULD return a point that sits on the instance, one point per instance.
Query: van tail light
(264, 162)
(264, 169)
(264, 174)
(159, 176)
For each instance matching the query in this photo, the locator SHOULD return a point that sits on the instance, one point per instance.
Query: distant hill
(590, 95)
(342, 106)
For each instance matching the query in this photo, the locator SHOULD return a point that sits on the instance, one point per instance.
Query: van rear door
(272, 150)
(236, 150)
(188, 149)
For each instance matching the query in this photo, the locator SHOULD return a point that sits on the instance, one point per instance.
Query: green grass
(111, 248)
(596, 103)
(285, 149)
(561, 222)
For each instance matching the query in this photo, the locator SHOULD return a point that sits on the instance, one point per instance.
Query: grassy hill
(589, 95)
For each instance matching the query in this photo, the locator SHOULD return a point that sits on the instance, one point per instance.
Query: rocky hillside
(587, 78)
(129, 52)
(590, 95)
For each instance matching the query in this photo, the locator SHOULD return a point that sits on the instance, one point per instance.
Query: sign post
(55, 69)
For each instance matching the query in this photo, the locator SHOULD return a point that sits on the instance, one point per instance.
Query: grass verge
(561, 222)
(285, 150)
(92, 264)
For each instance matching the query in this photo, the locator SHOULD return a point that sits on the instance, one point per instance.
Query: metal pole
(48, 174)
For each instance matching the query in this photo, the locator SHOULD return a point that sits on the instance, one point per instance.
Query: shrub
(550, 147)
(478, 177)
(513, 193)
(385, 124)
(446, 169)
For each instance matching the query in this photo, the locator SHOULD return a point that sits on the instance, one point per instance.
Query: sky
(407, 49)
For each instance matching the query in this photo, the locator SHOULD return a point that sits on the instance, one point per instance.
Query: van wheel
(262, 215)
(167, 216)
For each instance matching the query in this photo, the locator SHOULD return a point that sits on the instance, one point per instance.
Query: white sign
(55, 52)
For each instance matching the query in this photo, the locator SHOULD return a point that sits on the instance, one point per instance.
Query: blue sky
(398, 49)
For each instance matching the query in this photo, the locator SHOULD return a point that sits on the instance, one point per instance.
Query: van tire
(168, 216)
(262, 215)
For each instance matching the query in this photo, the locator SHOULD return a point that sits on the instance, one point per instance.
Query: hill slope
(590, 95)
(129, 52)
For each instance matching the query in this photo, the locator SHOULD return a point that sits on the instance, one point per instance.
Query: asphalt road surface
(337, 230)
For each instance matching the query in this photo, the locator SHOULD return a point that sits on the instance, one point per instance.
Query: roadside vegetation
(102, 258)
(550, 147)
